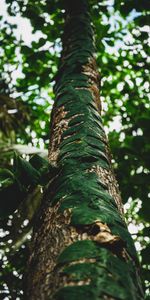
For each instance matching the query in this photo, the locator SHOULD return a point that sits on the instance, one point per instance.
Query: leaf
(39, 163)
(45, 169)
(24, 171)
(6, 178)
(11, 193)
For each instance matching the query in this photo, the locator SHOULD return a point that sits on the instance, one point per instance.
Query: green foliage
(11, 193)
(121, 60)
(25, 172)
(44, 168)
(16, 184)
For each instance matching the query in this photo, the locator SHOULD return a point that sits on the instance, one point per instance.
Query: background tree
(124, 78)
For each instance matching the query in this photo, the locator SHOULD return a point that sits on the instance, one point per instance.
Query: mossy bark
(81, 247)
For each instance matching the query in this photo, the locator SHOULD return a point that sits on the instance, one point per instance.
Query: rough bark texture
(81, 248)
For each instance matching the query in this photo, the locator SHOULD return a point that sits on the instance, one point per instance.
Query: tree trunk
(81, 247)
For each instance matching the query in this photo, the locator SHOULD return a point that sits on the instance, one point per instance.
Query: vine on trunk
(81, 246)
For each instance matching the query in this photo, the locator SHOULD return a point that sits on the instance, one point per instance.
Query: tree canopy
(28, 71)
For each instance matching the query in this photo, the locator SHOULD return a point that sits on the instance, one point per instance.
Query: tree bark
(81, 248)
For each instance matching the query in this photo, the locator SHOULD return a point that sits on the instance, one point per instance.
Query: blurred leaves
(14, 115)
